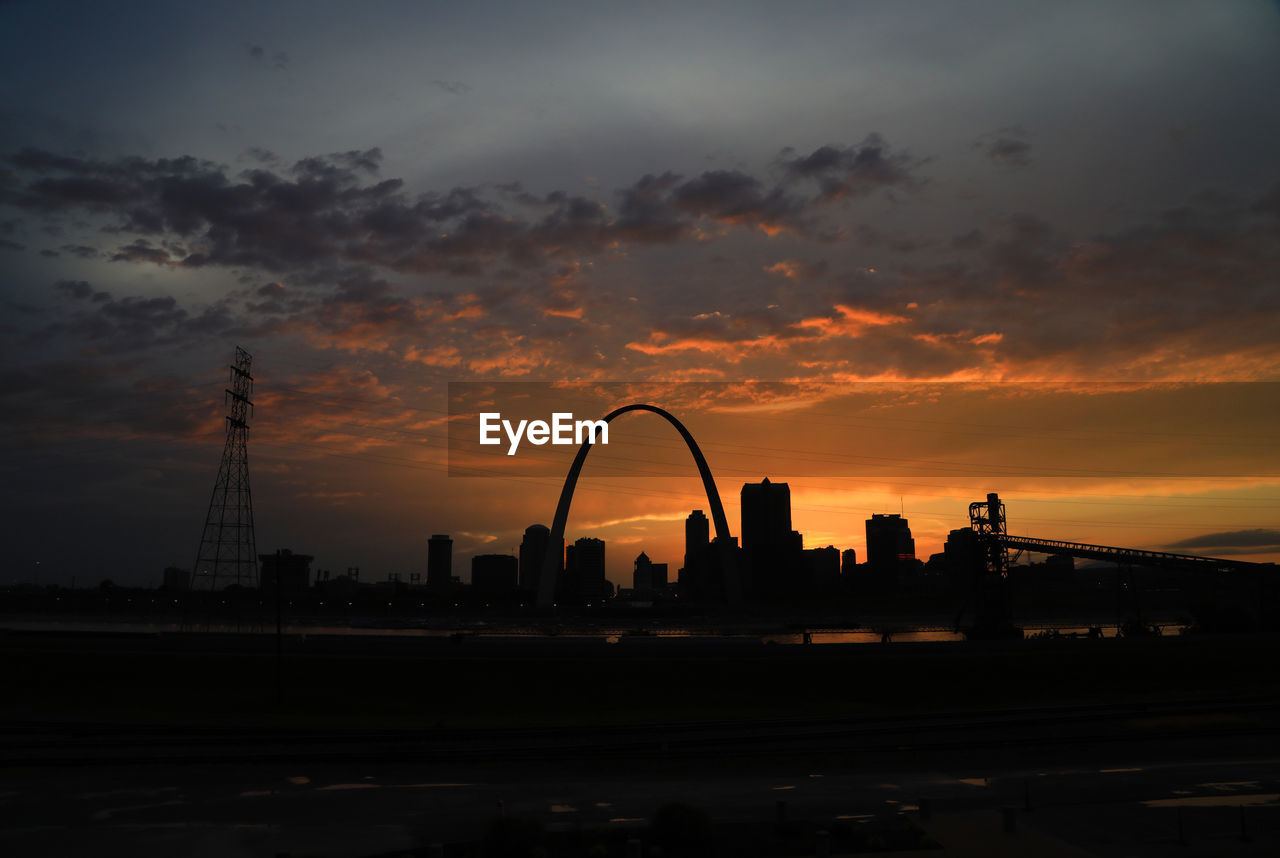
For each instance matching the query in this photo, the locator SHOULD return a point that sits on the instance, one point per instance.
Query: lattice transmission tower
(228, 553)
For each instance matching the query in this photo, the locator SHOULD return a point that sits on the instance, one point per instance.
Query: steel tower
(228, 553)
(991, 571)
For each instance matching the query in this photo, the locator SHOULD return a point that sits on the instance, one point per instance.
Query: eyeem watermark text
(562, 429)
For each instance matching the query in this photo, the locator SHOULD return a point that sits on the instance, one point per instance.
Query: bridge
(991, 569)
(1129, 556)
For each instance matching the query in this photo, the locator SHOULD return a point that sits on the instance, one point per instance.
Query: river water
(613, 634)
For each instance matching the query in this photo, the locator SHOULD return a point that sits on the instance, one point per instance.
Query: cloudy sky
(957, 248)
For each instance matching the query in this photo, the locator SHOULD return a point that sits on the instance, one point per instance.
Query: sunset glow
(1055, 275)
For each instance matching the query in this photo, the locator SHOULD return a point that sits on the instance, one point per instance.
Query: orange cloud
(575, 313)
(787, 268)
(794, 269)
(439, 356)
(852, 321)
(472, 310)
(733, 351)
(516, 361)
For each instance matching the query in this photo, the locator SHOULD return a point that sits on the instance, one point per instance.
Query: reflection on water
(107, 813)
(1237, 800)
(515, 632)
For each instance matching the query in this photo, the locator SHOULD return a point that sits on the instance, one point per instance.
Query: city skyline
(933, 253)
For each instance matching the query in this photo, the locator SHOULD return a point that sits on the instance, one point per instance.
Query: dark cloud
(6, 244)
(1269, 203)
(644, 215)
(78, 289)
(869, 236)
(1185, 295)
(279, 59)
(262, 156)
(453, 87)
(329, 210)
(1028, 254)
(851, 171)
(142, 250)
(49, 401)
(1007, 150)
(730, 196)
(1256, 538)
(133, 323)
(353, 159)
(971, 240)
(1010, 294)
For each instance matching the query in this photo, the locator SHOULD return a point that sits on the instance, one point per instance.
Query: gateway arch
(551, 564)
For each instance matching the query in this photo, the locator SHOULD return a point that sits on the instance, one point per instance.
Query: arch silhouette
(551, 564)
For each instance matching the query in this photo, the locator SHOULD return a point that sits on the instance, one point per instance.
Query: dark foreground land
(204, 744)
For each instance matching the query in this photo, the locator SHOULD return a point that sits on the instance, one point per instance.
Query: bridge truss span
(1128, 556)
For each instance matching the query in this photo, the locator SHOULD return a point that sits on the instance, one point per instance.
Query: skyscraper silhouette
(771, 550)
(694, 578)
(533, 550)
(891, 552)
(440, 562)
(584, 576)
(697, 536)
(766, 514)
(493, 574)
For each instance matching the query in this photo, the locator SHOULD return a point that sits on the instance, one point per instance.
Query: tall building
(766, 514)
(584, 576)
(822, 568)
(493, 574)
(697, 536)
(292, 571)
(440, 562)
(771, 550)
(642, 577)
(648, 576)
(533, 548)
(589, 557)
(660, 574)
(697, 551)
(848, 565)
(891, 552)
(964, 559)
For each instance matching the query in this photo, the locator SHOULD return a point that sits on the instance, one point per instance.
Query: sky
(896, 255)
